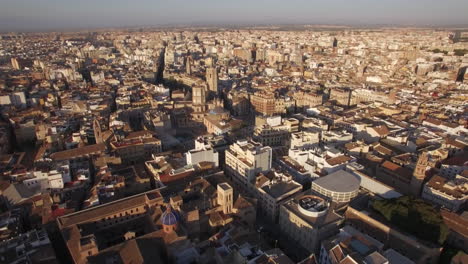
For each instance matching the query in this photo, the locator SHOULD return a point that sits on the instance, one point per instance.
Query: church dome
(170, 217)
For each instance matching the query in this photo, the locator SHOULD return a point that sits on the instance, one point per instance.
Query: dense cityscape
(257, 145)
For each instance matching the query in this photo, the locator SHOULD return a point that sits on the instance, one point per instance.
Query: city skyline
(240, 132)
(25, 15)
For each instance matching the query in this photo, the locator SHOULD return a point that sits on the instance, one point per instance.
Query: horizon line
(241, 25)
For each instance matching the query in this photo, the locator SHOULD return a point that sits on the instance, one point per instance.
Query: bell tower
(188, 65)
(419, 174)
(212, 79)
(198, 95)
(97, 131)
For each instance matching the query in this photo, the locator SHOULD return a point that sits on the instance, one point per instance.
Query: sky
(32, 15)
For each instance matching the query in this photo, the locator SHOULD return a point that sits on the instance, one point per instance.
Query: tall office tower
(212, 79)
(198, 95)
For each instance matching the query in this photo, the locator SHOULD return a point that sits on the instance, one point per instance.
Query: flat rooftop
(339, 181)
(279, 189)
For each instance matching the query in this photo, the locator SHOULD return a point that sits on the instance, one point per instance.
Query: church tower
(188, 65)
(419, 174)
(198, 95)
(212, 79)
(97, 131)
(225, 197)
(211, 75)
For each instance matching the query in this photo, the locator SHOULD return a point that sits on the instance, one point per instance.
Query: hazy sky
(61, 14)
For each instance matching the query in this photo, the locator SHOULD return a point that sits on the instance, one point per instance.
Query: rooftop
(340, 181)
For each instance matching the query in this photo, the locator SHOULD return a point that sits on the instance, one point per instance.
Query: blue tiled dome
(170, 217)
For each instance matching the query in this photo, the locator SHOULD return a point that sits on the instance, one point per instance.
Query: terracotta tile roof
(437, 182)
(99, 212)
(337, 254)
(241, 203)
(455, 222)
(397, 169)
(78, 152)
(338, 160)
(455, 143)
(383, 150)
(382, 130)
(310, 260)
(459, 160)
(142, 133)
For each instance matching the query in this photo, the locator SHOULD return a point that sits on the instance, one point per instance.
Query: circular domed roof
(170, 217)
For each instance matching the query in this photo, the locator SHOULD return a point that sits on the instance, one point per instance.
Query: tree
(413, 216)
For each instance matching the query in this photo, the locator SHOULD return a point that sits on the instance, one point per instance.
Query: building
(395, 176)
(218, 143)
(454, 165)
(265, 104)
(419, 174)
(342, 96)
(318, 161)
(24, 130)
(199, 95)
(272, 136)
(299, 173)
(306, 100)
(245, 159)
(79, 159)
(218, 121)
(336, 137)
(272, 190)
(359, 216)
(370, 184)
(207, 154)
(340, 186)
(305, 139)
(374, 95)
(133, 150)
(88, 232)
(353, 246)
(450, 194)
(307, 219)
(458, 226)
(31, 247)
(272, 256)
(225, 197)
(212, 79)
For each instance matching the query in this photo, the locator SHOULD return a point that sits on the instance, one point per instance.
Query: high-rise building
(245, 159)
